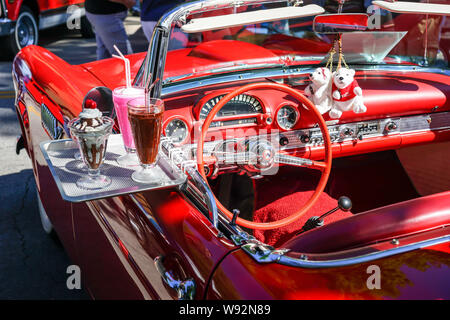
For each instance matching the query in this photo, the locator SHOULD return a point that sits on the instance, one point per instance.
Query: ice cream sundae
(91, 131)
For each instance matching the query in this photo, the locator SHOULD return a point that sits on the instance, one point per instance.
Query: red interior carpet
(371, 181)
(278, 199)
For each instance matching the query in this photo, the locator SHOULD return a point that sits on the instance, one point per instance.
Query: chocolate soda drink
(146, 125)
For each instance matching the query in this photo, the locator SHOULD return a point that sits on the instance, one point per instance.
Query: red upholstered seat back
(391, 221)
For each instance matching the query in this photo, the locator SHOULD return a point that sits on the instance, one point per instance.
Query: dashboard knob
(283, 141)
(390, 126)
(305, 138)
(346, 132)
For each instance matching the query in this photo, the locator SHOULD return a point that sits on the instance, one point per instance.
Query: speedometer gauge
(239, 105)
(177, 130)
(287, 117)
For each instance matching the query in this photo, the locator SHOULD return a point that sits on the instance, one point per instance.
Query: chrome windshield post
(207, 193)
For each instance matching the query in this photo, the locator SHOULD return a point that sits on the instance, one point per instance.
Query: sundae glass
(91, 131)
(146, 123)
(121, 96)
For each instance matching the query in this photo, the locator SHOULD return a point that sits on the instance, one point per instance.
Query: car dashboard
(397, 116)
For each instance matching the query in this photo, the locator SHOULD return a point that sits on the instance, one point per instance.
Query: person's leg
(147, 27)
(111, 31)
(102, 52)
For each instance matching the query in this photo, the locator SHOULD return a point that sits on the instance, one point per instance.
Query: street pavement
(32, 264)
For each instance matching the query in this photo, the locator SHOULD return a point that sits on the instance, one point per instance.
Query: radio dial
(346, 132)
(390, 126)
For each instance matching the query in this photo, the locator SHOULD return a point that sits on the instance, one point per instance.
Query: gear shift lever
(344, 203)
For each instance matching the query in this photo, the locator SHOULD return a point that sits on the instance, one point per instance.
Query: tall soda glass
(146, 125)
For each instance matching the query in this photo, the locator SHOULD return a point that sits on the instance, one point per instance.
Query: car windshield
(392, 40)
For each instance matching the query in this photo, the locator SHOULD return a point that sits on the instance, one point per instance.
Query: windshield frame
(152, 68)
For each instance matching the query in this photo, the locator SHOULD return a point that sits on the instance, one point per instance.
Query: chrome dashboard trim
(404, 125)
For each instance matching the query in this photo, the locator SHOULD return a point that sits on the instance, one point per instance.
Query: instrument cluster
(244, 110)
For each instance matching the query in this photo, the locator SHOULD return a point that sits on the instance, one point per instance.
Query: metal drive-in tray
(59, 155)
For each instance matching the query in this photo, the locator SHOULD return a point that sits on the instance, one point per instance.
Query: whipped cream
(90, 114)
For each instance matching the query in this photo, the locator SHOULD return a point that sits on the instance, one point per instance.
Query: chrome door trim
(304, 263)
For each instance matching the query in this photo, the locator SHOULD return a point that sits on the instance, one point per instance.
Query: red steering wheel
(323, 166)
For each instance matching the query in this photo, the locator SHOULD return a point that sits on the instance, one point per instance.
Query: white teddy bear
(319, 90)
(346, 93)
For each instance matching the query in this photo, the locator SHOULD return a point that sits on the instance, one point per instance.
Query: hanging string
(341, 55)
(341, 60)
(337, 41)
(329, 64)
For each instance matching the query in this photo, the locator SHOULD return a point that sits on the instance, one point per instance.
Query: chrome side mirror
(103, 97)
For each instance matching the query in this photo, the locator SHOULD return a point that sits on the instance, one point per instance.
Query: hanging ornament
(346, 94)
(319, 88)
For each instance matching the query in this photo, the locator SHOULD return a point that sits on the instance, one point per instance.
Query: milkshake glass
(121, 97)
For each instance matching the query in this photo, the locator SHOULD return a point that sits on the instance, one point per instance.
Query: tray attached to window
(66, 170)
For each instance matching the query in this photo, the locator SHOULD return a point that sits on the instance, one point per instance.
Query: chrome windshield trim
(173, 88)
(264, 254)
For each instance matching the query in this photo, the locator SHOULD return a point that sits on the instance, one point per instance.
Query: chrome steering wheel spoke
(235, 158)
(299, 162)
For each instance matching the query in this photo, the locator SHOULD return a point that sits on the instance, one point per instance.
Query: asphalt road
(33, 265)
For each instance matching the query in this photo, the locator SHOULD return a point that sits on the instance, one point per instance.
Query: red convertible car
(292, 189)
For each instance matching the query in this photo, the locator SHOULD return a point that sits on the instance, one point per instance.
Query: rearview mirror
(340, 23)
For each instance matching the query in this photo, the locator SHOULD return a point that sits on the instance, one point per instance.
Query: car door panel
(147, 227)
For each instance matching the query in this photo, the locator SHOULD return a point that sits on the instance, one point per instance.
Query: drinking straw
(147, 89)
(127, 66)
(147, 93)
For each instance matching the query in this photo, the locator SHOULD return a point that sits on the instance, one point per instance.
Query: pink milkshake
(121, 96)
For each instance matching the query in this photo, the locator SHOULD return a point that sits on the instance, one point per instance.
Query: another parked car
(280, 200)
(21, 20)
